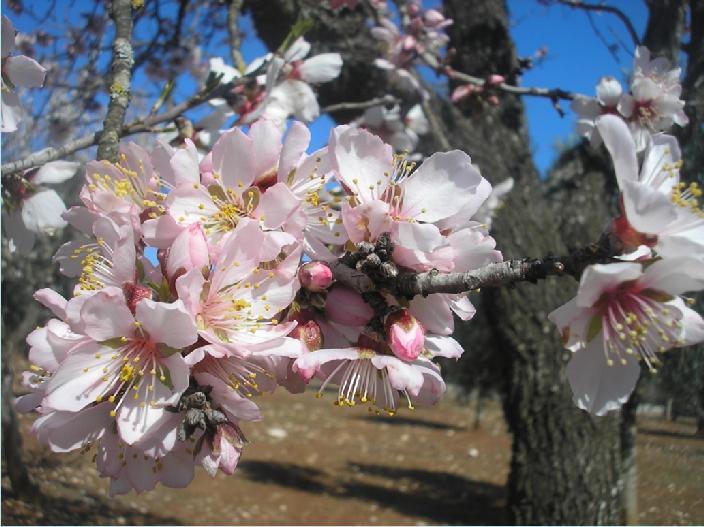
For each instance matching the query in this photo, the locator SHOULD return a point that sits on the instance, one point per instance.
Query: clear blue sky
(576, 59)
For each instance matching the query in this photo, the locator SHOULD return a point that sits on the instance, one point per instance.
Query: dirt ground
(310, 462)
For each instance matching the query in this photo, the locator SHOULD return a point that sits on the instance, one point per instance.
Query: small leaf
(300, 28)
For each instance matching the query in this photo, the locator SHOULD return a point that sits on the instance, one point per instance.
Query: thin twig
(135, 127)
(363, 105)
(233, 13)
(550, 93)
(579, 4)
(122, 62)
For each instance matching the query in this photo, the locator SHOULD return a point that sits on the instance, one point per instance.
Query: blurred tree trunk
(629, 431)
(22, 485)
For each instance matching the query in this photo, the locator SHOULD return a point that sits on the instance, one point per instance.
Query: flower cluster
(652, 105)
(422, 34)
(633, 310)
(282, 90)
(202, 283)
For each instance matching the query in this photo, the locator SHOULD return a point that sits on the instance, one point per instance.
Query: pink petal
(106, 316)
(233, 159)
(24, 71)
(167, 323)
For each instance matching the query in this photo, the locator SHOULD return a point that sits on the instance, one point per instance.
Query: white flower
(659, 211)
(34, 208)
(624, 313)
(18, 70)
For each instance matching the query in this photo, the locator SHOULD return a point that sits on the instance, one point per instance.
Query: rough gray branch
(122, 62)
(492, 275)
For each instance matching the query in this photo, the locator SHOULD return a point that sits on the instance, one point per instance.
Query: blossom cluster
(630, 311)
(283, 89)
(651, 105)
(203, 283)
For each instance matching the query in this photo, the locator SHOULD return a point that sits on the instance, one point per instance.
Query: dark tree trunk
(22, 484)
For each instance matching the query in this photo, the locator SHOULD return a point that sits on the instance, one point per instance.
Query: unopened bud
(496, 80)
(315, 276)
(189, 251)
(345, 306)
(309, 334)
(404, 335)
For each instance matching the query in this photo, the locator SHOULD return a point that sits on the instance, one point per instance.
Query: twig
(135, 127)
(122, 61)
(233, 13)
(550, 93)
(492, 275)
(363, 105)
(579, 4)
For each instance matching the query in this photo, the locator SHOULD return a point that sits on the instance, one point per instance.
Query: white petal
(321, 68)
(42, 212)
(24, 71)
(55, 172)
(618, 140)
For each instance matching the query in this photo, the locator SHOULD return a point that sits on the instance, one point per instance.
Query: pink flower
(624, 312)
(223, 452)
(390, 196)
(315, 276)
(132, 362)
(345, 306)
(404, 335)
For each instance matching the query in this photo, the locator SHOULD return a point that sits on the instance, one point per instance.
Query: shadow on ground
(405, 421)
(668, 433)
(82, 510)
(439, 497)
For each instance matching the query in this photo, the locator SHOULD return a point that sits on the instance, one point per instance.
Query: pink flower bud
(404, 335)
(462, 92)
(493, 100)
(496, 80)
(408, 43)
(189, 251)
(345, 306)
(315, 276)
(309, 334)
(413, 9)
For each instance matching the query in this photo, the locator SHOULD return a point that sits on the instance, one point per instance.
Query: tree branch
(233, 13)
(578, 4)
(553, 94)
(135, 127)
(122, 62)
(363, 105)
(492, 275)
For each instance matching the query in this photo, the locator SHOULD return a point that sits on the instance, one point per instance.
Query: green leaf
(594, 327)
(300, 28)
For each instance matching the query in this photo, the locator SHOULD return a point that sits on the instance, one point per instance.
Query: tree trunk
(22, 484)
(629, 431)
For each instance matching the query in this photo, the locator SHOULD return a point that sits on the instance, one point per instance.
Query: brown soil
(312, 463)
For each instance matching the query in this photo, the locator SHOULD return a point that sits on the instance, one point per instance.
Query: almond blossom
(625, 313)
(403, 133)
(658, 210)
(30, 207)
(17, 71)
